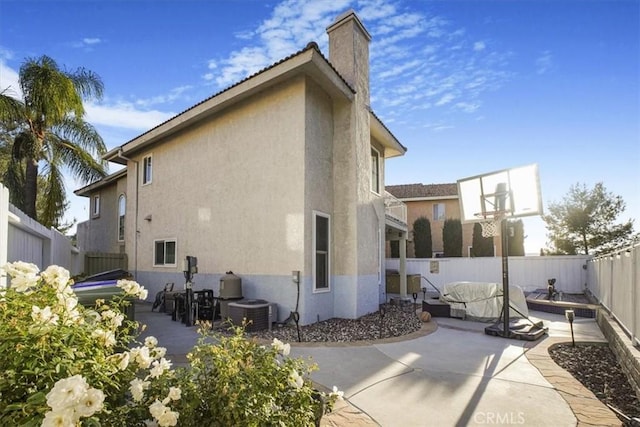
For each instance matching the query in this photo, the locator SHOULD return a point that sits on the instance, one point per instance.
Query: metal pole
(505, 277)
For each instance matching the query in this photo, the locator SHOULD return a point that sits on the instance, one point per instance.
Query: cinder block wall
(628, 355)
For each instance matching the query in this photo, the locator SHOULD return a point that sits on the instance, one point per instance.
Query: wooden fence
(97, 262)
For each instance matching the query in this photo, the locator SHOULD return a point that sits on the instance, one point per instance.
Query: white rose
(62, 417)
(90, 403)
(137, 388)
(67, 392)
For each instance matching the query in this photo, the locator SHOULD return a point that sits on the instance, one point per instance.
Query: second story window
(147, 170)
(375, 171)
(438, 212)
(122, 207)
(96, 205)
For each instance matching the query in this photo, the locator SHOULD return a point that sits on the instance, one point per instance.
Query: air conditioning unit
(259, 314)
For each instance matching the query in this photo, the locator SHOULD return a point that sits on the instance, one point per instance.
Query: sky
(469, 87)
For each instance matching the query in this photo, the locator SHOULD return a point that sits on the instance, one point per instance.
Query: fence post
(4, 231)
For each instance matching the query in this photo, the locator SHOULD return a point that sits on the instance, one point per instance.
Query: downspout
(136, 231)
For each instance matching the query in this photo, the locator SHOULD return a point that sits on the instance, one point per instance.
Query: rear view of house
(282, 172)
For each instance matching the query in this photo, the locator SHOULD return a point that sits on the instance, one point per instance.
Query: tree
(452, 237)
(585, 221)
(516, 238)
(50, 128)
(422, 240)
(481, 246)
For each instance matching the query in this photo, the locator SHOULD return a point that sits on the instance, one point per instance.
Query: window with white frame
(375, 171)
(164, 253)
(122, 208)
(438, 212)
(147, 170)
(96, 205)
(322, 253)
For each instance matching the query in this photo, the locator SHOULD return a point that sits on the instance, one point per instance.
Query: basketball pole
(504, 236)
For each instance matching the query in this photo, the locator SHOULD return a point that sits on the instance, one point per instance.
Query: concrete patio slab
(452, 375)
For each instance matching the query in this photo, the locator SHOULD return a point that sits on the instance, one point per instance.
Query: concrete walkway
(452, 374)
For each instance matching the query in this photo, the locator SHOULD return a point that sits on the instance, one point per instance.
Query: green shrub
(423, 243)
(240, 382)
(66, 365)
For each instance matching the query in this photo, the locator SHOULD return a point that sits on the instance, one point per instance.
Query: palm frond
(82, 134)
(80, 163)
(49, 94)
(11, 108)
(87, 83)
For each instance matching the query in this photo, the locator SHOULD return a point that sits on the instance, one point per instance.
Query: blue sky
(468, 86)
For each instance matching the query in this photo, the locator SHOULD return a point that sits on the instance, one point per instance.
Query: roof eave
(309, 62)
(88, 189)
(392, 147)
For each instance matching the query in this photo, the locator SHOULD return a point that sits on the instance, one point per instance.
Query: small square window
(164, 253)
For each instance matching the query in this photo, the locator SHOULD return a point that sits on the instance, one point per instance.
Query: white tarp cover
(481, 301)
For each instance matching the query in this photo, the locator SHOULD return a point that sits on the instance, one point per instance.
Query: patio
(452, 374)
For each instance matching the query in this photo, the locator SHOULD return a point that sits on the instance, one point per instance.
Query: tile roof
(410, 191)
(310, 46)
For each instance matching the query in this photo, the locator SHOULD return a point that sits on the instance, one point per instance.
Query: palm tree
(51, 129)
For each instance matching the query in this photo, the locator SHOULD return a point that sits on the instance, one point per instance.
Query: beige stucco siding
(318, 174)
(230, 189)
(416, 209)
(100, 233)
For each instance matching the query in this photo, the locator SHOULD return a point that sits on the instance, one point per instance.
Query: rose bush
(64, 364)
(239, 382)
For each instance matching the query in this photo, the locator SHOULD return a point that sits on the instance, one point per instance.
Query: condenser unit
(259, 314)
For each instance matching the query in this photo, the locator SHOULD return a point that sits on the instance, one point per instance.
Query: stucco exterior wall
(416, 209)
(100, 233)
(318, 196)
(230, 190)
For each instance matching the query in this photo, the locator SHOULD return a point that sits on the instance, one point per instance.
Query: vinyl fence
(23, 239)
(615, 280)
(528, 272)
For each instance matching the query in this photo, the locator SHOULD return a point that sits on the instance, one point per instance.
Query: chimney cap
(349, 15)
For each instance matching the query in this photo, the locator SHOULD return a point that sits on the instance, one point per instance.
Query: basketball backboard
(510, 193)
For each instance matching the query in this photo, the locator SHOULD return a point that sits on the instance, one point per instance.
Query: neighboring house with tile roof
(281, 172)
(437, 202)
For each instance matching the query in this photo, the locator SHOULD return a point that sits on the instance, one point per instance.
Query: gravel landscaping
(397, 321)
(596, 367)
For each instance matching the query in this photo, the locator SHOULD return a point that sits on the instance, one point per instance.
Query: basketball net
(491, 227)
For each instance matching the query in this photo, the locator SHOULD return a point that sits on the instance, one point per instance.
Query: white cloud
(292, 24)
(445, 99)
(89, 40)
(87, 43)
(9, 79)
(479, 46)
(544, 62)
(173, 95)
(124, 115)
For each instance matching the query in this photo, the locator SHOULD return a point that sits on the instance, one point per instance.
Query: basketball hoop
(490, 228)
